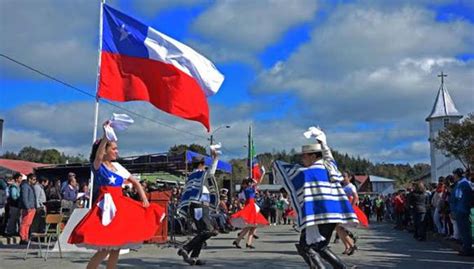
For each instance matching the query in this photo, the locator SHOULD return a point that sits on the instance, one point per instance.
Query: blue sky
(365, 71)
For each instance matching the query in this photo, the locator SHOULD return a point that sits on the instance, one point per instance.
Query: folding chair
(53, 230)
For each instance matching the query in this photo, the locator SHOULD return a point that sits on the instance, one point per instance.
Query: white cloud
(45, 35)
(152, 7)
(240, 29)
(376, 65)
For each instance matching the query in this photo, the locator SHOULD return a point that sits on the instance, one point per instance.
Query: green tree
(30, 154)
(9, 155)
(180, 149)
(457, 139)
(51, 156)
(198, 148)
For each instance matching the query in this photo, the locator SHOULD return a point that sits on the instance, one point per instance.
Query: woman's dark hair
(94, 149)
(419, 186)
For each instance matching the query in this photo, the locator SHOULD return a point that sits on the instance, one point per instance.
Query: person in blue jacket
(461, 209)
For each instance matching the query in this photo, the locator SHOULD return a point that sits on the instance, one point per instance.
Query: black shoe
(23, 242)
(249, 246)
(255, 236)
(462, 253)
(191, 261)
(331, 258)
(351, 250)
(183, 253)
(236, 244)
(199, 262)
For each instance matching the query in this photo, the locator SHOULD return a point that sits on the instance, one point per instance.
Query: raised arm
(99, 156)
(215, 160)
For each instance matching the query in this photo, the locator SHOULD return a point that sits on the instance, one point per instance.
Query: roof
(380, 179)
(361, 179)
(269, 187)
(20, 166)
(443, 105)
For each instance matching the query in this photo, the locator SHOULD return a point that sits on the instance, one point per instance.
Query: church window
(446, 122)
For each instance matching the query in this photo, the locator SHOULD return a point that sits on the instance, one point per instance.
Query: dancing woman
(116, 221)
(344, 234)
(249, 217)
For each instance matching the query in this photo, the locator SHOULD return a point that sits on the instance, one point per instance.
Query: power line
(103, 100)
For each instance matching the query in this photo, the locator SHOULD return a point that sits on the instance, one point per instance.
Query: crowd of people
(25, 200)
(441, 209)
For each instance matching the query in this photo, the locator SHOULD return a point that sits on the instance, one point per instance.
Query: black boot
(332, 258)
(316, 259)
(301, 251)
(311, 257)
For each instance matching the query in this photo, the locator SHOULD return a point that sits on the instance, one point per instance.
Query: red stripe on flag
(125, 78)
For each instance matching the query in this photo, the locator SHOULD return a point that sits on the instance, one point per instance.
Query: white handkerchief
(120, 122)
(110, 134)
(317, 133)
(216, 148)
(198, 213)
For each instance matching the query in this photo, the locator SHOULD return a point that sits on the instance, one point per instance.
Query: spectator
(379, 206)
(461, 209)
(3, 197)
(69, 193)
(399, 206)
(3, 201)
(53, 191)
(38, 223)
(13, 202)
(280, 209)
(273, 209)
(417, 203)
(437, 204)
(27, 206)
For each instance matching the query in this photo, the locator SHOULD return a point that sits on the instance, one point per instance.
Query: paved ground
(379, 247)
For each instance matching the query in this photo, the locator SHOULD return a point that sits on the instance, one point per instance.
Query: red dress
(118, 222)
(249, 216)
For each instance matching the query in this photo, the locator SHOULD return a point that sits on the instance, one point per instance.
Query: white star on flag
(112, 179)
(123, 32)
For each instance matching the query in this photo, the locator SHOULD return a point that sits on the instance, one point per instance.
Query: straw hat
(311, 148)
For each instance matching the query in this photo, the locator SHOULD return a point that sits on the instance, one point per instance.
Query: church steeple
(444, 105)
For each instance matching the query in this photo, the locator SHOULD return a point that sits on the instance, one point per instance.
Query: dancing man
(196, 200)
(318, 199)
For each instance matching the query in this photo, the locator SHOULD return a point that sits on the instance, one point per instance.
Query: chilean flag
(140, 63)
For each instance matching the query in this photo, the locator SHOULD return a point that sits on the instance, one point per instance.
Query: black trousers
(204, 230)
(325, 230)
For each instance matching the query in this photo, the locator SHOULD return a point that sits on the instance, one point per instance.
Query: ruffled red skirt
(248, 216)
(131, 225)
(361, 216)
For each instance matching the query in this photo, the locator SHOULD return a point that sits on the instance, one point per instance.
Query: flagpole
(250, 151)
(96, 114)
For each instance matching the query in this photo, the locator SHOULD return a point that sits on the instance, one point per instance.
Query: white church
(444, 112)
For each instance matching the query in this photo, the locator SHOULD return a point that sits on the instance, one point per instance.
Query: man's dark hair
(30, 176)
(16, 176)
(458, 172)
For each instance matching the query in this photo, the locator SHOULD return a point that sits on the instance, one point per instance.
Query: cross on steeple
(442, 76)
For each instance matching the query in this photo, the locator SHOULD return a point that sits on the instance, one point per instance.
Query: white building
(382, 185)
(444, 112)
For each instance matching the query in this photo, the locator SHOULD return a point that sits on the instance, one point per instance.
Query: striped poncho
(315, 192)
(193, 191)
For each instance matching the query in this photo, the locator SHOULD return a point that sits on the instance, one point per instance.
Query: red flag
(140, 63)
